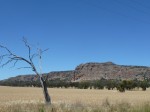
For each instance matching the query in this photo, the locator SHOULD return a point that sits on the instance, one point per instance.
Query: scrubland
(30, 99)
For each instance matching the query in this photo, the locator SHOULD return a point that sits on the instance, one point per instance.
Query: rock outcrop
(109, 70)
(93, 71)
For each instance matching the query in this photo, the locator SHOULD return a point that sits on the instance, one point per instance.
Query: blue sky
(76, 31)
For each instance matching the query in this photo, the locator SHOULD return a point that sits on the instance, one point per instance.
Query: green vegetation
(120, 85)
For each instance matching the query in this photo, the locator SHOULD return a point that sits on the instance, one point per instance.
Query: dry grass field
(89, 98)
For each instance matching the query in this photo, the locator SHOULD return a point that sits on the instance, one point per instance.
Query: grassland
(28, 99)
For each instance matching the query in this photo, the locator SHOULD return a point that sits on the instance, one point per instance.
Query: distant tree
(144, 85)
(121, 86)
(110, 85)
(98, 84)
(13, 58)
(84, 85)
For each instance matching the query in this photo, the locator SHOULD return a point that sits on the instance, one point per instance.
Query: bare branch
(15, 63)
(30, 62)
(45, 50)
(42, 79)
(9, 61)
(23, 67)
(6, 49)
(3, 56)
(36, 54)
(28, 46)
(46, 77)
(15, 58)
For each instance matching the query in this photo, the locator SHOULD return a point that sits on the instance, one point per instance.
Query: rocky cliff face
(94, 71)
(109, 70)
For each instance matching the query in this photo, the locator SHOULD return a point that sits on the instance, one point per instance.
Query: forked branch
(13, 58)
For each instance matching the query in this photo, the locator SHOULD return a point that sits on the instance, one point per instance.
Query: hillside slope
(93, 71)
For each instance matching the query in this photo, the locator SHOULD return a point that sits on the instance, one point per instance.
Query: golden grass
(10, 95)
(85, 97)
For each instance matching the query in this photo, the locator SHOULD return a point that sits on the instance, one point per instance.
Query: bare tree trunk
(15, 58)
(45, 91)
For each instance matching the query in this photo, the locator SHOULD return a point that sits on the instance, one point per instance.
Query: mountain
(93, 71)
(109, 70)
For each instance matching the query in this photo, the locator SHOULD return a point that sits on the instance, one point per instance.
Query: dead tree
(13, 58)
